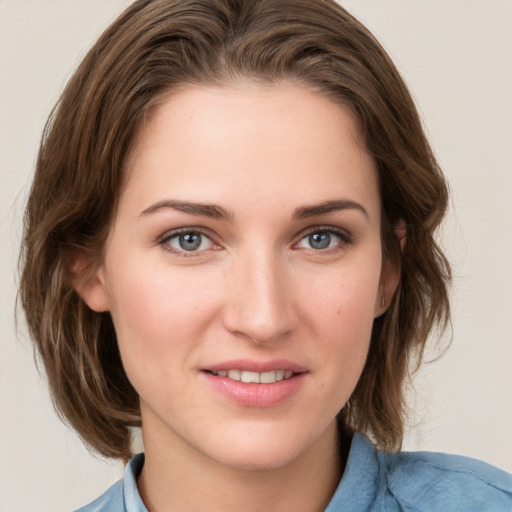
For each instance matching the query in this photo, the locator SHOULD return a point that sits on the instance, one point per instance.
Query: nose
(259, 303)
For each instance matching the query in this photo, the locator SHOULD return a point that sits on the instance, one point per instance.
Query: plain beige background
(455, 55)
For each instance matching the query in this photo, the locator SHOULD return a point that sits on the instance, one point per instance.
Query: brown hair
(154, 47)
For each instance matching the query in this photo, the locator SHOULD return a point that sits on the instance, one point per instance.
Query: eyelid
(346, 237)
(162, 241)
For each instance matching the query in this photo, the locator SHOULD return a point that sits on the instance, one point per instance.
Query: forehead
(284, 143)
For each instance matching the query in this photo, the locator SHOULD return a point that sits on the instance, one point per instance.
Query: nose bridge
(259, 303)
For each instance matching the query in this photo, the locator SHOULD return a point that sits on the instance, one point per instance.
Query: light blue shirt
(376, 481)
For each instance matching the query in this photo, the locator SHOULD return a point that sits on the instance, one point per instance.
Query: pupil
(320, 240)
(190, 241)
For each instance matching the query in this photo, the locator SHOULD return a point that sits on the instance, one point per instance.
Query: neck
(181, 479)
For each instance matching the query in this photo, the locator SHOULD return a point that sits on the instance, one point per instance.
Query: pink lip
(250, 365)
(253, 394)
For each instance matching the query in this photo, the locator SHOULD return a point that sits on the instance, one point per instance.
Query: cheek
(341, 320)
(344, 301)
(159, 316)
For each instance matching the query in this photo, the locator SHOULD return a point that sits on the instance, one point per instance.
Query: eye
(187, 241)
(322, 239)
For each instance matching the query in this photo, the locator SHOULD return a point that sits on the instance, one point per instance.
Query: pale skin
(284, 263)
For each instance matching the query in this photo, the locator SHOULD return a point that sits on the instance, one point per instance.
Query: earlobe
(89, 283)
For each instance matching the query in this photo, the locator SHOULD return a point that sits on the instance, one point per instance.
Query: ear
(390, 273)
(89, 282)
(389, 279)
(400, 231)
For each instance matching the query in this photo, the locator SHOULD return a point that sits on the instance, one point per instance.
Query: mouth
(268, 377)
(256, 383)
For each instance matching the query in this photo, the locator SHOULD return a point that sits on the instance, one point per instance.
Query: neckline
(356, 489)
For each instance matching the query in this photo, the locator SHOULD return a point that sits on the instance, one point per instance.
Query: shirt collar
(132, 499)
(358, 486)
(356, 490)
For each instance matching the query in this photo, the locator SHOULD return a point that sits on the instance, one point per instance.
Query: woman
(229, 241)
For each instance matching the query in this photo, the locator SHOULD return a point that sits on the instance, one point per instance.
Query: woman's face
(243, 271)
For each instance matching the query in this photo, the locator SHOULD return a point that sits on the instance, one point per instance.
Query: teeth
(249, 377)
(268, 377)
(255, 377)
(234, 374)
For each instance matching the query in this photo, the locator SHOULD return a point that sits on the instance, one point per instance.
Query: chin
(257, 458)
(263, 449)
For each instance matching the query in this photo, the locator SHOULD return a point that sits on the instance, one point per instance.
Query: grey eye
(189, 242)
(320, 240)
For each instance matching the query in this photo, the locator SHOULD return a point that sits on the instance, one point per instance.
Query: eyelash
(164, 241)
(345, 239)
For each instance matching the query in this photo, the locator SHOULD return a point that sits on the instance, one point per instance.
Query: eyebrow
(215, 211)
(201, 209)
(305, 212)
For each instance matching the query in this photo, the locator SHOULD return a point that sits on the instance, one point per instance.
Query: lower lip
(250, 394)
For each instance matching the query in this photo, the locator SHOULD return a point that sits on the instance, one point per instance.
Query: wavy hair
(153, 48)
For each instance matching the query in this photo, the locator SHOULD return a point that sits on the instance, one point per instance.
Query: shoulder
(123, 495)
(438, 481)
(112, 501)
(375, 481)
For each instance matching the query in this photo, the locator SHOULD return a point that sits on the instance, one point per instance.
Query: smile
(269, 377)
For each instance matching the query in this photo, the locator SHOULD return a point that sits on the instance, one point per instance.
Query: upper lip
(251, 365)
